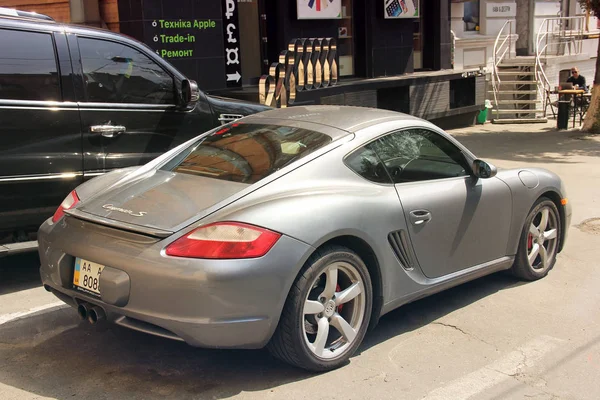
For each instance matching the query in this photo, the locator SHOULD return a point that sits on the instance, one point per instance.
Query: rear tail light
(69, 202)
(224, 240)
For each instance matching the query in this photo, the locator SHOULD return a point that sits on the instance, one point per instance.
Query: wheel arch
(556, 199)
(367, 254)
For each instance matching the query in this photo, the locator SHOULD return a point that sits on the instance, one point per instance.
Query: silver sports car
(296, 229)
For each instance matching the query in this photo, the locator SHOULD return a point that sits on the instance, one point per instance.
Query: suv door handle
(418, 217)
(108, 131)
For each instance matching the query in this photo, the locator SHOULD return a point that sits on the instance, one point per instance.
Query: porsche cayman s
(296, 229)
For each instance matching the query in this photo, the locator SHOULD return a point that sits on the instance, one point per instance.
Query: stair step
(533, 82)
(516, 72)
(519, 120)
(16, 248)
(514, 111)
(513, 63)
(502, 91)
(519, 101)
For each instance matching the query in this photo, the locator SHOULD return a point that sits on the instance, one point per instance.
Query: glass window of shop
(345, 40)
(471, 15)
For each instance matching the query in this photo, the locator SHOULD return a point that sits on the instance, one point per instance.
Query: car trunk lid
(159, 203)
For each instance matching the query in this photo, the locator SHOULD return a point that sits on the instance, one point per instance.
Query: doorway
(249, 17)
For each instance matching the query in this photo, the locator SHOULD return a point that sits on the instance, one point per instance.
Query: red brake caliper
(338, 289)
(529, 241)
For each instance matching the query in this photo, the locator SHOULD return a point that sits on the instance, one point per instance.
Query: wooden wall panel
(109, 12)
(59, 10)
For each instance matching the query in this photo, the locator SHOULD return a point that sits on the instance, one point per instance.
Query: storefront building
(393, 54)
(476, 24)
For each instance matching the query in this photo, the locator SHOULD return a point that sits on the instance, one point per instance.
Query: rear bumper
(206, 303)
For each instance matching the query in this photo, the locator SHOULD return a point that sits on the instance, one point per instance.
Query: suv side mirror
(484, 170)
(190, 92)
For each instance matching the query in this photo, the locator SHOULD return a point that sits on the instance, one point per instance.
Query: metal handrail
(498, 59)
(555, 28)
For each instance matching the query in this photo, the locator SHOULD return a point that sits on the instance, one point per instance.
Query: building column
(436, 35)
(85, 12)
(524, 10)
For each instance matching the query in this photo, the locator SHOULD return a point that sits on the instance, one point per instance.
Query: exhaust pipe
(83, 310)
(96, 314)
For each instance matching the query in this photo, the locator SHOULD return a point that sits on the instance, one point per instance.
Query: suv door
(40, 130)
(129, 106)
(455, 220)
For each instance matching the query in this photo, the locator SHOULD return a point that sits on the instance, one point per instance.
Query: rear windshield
(247, 153)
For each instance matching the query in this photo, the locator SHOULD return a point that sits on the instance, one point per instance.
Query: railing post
(510, 39)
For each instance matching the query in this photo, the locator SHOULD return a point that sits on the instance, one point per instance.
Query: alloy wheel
(334, 310)
(542, 239)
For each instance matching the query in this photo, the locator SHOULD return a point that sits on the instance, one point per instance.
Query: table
(574, 93)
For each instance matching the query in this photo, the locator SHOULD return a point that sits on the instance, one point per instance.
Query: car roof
(33, 24)
(346, 118)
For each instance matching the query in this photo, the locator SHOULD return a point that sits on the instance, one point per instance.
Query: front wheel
(538, 245)
(327, 312)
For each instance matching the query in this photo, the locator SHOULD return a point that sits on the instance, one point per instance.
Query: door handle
(108, 131)
(419, 217)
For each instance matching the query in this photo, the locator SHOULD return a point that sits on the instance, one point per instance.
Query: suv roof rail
(9, 12)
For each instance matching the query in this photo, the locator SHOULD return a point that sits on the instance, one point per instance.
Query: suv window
(246, 153)
(419, 155)
(115, 73)
(28, 69)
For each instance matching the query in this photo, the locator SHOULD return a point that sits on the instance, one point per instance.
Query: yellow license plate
(87, 275)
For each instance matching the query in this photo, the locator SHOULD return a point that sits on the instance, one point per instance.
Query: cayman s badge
(124, 210)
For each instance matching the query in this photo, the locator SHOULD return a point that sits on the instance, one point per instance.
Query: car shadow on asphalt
(416, 315)
(19, 272)
(543, 146)
(54, 354)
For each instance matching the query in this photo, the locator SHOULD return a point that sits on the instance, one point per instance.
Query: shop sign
(319, 9)
(501, 9)
(177, 39)
(401, 9)
(233, 65)
(307, 64)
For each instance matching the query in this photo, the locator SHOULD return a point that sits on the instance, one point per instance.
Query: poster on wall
(401, 8)
(319, 9)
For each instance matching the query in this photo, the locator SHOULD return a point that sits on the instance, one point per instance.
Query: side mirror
(484, 170)
(190, 92)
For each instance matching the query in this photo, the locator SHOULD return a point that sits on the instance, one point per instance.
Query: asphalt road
(493, 338)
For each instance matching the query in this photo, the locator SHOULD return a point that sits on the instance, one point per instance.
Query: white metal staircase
(521, 89)
(514, 83)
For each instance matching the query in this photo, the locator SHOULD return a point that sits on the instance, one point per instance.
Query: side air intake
(399, 242)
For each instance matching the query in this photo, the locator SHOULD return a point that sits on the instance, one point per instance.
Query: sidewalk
(572, 154)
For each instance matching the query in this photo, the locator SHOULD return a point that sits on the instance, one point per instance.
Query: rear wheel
(327, 312)
(539, 241)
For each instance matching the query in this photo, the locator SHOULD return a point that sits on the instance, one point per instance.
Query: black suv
(76, 102)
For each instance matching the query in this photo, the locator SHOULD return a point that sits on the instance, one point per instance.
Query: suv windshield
(246, 153)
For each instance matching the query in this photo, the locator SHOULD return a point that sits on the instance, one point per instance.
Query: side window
(28, 68)
(115, 73)
(419, 155)
(365, 162)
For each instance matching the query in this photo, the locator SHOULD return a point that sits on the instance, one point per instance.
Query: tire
(539, 266)
(314, 307)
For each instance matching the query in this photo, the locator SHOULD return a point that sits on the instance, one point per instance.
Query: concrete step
(517, 63)
(519, 101)
(519, 120)
(502, 91)
(16, 248)
(532, 82)
(518, 111)
(516, 72)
